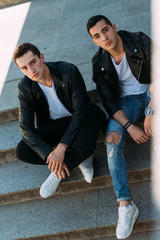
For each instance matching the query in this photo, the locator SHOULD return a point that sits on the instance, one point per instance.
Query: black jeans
(52, 132)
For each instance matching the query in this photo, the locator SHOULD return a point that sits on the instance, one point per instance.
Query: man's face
(105, 36)
(32, 66)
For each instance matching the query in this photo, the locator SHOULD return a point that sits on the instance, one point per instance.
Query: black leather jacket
(71, 91)
(138, 52)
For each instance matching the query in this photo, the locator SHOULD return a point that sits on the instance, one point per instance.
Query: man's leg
(51, 132)
(127, 211)
(115, 141)
(133, 106)
(85, 144)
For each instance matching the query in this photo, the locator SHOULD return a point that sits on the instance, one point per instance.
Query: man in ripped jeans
(121, 71)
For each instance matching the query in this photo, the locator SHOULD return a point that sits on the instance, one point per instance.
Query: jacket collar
(106, 62)
(55, 77)
(129, 47)
(130, 41)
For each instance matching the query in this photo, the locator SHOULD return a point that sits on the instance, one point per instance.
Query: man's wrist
(62, 147)
(148, 111)
(126, 126)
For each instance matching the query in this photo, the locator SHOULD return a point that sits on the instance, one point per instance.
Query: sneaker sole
(132, 224)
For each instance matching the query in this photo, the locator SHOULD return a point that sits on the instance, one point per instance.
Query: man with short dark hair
(121, 71)
(67, 123)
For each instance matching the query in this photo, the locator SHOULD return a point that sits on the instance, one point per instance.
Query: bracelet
(126, 126)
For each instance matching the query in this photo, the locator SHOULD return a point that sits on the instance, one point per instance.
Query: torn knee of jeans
(110, 150)
(113, 146)
(113, 139)
(117, 142)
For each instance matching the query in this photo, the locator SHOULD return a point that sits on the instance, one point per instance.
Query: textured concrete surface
(9, 115)
(4, 3)
(97, 233)
(71, 212)
(154, 235)
(11, 135)
(72, 185)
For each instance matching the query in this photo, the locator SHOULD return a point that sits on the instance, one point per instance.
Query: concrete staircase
(78, 210)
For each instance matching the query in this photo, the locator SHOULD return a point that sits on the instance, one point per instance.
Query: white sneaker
(127, 217)
(86, 168)
(48, 188)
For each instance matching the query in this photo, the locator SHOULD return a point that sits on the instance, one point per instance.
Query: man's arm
(108, 88)
(148, 119)
(55, 161)
(138, 135)
(81, 105)
(26, 119)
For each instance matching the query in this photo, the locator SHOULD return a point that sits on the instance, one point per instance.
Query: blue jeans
(133, 106)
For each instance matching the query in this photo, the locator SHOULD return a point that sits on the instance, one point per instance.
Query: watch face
(148, 111)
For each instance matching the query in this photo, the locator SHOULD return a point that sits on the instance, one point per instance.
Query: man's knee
(113, 137)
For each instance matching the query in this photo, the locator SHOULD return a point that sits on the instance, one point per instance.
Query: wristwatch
(148, 111)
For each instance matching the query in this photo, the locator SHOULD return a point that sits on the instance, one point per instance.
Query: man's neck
(47, 79)
(118, 52)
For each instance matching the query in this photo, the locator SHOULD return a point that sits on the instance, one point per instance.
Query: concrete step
(11, 135)
(91, 212)
(4, 3)
(68, 186)
(24, 176)
(9, 95)
(9, 115)
(151, 233)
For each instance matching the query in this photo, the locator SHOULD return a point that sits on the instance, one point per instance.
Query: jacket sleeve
(26, 119)
(81, 105)
(108, 94)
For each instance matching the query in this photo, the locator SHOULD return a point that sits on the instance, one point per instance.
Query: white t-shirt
(129, 85)
(56, 108)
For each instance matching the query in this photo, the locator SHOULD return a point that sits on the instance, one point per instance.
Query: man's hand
(148, 125)
(138, 135)
(55, 160)
(62, 174)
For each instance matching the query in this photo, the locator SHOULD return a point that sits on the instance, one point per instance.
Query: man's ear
(42, 57)
(114, 27)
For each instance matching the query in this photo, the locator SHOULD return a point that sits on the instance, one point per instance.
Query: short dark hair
(93, 21)
(24, 48)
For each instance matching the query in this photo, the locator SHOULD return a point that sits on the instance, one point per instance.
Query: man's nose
(104, 36)
(31, 70)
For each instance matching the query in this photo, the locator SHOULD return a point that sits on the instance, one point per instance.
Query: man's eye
(105, 30)
(96, 37)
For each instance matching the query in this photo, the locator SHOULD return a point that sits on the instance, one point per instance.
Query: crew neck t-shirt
(129, 85)
(56, 108)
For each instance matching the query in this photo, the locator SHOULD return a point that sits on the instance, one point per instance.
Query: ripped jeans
(133, 106)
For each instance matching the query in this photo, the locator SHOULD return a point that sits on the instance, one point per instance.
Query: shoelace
(122, 217)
